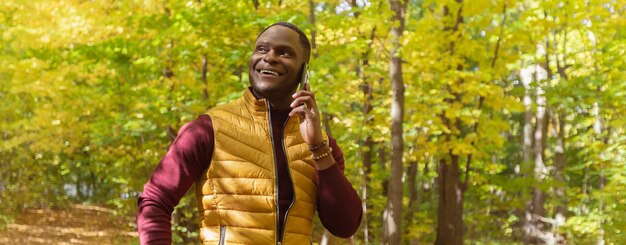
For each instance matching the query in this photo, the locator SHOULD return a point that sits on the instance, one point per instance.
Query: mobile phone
(305, 76)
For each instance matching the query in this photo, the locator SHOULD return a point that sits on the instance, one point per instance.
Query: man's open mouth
(269, 72)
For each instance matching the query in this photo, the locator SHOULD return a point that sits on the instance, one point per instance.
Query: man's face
(276, 63)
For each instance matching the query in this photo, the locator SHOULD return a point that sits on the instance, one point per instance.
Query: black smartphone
(305, 76)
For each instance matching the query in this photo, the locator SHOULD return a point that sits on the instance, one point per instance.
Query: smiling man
(261, 164)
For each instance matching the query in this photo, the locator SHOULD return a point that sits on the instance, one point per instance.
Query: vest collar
(259, 105)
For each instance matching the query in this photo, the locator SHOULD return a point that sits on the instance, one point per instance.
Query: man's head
(276, 64)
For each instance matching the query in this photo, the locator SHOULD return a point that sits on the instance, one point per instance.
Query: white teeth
(269, 72)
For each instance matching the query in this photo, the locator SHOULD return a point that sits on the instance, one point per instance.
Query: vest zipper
(222, 234)
(269, 121)
(279, 237)
(290, 177)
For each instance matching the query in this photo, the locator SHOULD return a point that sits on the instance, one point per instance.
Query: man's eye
(261, 49)
(284, 53)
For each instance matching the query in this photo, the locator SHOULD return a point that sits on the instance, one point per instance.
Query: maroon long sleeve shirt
(339, 206)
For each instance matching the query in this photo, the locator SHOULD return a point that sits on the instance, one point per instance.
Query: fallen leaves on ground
(77, 224)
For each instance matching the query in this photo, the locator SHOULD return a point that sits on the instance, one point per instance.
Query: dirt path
(78, 224)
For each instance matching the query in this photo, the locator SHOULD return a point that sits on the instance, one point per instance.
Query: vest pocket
(222, 235)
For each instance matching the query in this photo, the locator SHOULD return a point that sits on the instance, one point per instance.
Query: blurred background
(507, 116)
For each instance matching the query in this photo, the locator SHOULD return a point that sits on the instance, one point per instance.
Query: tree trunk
(392, 224)
(368, 144)
(533, 224)
(256, 4)
(450, 212)
(325, 238)
(560, 212)
(312, 20)
(597, 129)
(540, 172)
(426, 185)
(366, 157)
(326, 123)
(94, 182)
(450, 187)
(526, 76)
(366, 154)
(382, 160)
(79, 191)
(205, 90)
(412, 207)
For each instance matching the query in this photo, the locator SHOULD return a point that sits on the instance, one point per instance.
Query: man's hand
(305, 107)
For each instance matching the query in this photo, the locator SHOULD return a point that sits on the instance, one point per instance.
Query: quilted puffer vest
(238, 194)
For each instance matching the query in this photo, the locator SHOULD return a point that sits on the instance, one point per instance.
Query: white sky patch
(591, 37)
(345, 6)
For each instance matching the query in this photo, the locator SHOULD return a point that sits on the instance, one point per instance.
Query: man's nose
(270, 57)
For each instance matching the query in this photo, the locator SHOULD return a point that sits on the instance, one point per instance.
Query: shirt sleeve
(187, 157)
(339, 205)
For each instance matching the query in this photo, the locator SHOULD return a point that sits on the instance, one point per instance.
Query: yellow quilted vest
(238, 193)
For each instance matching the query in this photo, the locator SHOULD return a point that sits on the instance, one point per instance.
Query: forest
(461, 122)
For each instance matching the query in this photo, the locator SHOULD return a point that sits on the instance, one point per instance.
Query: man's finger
(303, 93)
(299, 110)
(301, 100)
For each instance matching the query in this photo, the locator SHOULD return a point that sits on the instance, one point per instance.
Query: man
(261, 164)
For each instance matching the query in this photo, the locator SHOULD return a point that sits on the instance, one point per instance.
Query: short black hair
(304, 40)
